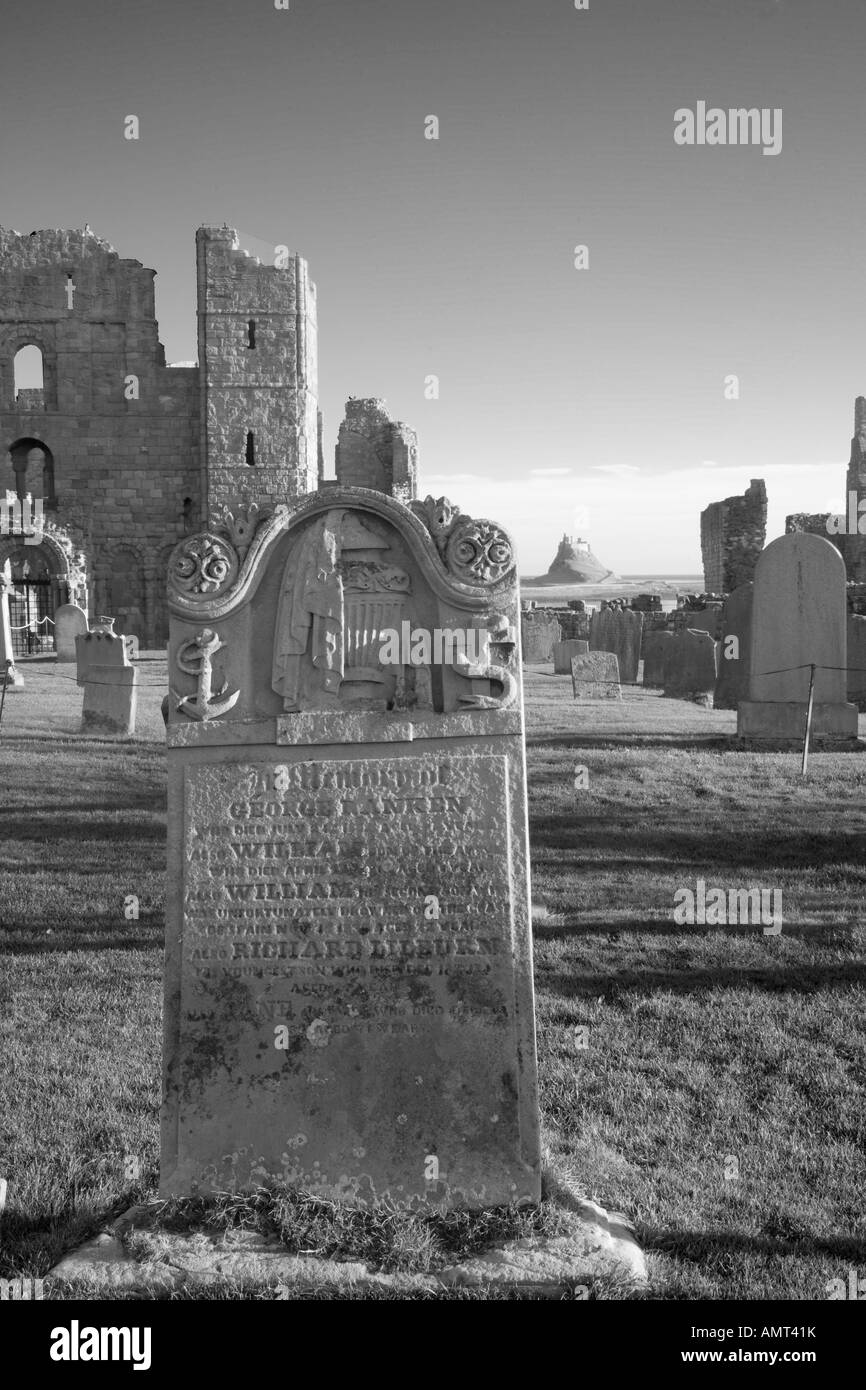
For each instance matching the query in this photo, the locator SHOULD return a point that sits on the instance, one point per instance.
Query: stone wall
(733, 533)
(375, 451)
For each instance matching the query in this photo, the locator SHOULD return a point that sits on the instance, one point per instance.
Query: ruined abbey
(123, 454)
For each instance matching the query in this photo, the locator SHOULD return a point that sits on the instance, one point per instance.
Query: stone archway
(45, 570)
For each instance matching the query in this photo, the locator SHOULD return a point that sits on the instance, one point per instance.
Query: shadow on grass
(802, 979)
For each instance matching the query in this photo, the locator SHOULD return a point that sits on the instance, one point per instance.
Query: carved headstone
(735, 649)
(564, 651)
(70, 622)
(798, 619)
(595, 676)
(691, 666)
(618, 630)
(349, 1002)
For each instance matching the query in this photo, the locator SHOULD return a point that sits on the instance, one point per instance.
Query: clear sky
(570, 400)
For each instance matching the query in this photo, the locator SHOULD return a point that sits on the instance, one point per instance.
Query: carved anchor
(205, 704)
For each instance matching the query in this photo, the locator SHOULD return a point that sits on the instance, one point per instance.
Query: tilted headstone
(618, 630)
(110, 683)
(564, 651)
(10, 676)
(798, 619)
(595, 676)
(735, 649)
(70, 622)
(857, 660)
(655, 646)
(538, 632)
(349, 1003)
(691, 666)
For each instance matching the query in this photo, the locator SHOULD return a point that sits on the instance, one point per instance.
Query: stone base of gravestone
(564, 651)
(110, 700)
(655, 647)
(691, 667)
(785, 722)
(595, 676)
(857, 660)
(70, 622)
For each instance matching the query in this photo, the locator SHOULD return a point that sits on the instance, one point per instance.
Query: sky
(589, 401)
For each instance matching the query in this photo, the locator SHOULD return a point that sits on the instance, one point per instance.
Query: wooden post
(808, 720)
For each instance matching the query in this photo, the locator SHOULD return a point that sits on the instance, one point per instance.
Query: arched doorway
(37, 591)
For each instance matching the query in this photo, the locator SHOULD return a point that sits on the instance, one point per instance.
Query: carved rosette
(202, 566)
(473, 551)
(478, 552)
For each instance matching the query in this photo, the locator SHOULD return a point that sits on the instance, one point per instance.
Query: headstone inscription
(349, 1002)
(798, 619)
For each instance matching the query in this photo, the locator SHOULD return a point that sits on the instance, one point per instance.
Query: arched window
(28, 369)
(33, 467)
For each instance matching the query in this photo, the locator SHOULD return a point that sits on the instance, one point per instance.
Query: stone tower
(257, 359)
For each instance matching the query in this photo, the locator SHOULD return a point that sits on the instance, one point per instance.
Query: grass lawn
(709, 1050)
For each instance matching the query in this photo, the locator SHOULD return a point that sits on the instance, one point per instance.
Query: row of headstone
(619, 630)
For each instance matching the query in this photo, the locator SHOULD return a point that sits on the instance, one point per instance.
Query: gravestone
(707, 619)
(856, 689)
(618, 630)
(349, 1001)
(564, 651)
(595, 676)
(732, 682)
(798, 618)
(70, 622)
(110, 683)
(655, 647)
(538, 633)
(691, 667)
(10, 676)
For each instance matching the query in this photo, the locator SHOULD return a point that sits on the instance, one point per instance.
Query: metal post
(808, 720)
(3, 691)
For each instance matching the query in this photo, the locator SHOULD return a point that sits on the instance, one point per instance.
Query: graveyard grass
(709, 1049)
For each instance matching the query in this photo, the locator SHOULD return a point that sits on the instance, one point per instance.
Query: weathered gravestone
(707, 619)
(857, 660)
(691, 667)
(655, 646)
(10, 676)
(798, 618)
(538, 633)
(618, 631)
(110, 683)
(70, 622)
(595, 676)
(735, 649)
(564, 651)
(349, 1001)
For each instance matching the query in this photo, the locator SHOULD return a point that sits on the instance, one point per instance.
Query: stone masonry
(732, 537)
(126, 454)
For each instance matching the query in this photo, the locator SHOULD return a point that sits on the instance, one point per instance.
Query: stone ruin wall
(733, 533)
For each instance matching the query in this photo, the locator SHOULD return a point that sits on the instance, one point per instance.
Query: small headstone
(564, 651)
(690, 667)
(857, 660)
(735, 649)
(619, 630)
(655, 647)
(110, 683)
(70, 622)
(348, 985)
(799, 618)
(538, 632)
(595, 676)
